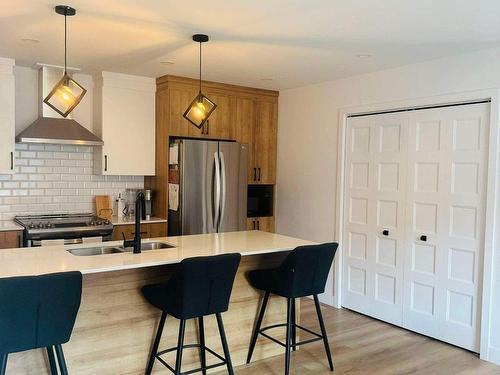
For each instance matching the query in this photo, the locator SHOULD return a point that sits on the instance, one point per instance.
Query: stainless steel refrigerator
(211, 194)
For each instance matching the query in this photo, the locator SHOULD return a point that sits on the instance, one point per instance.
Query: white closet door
(374, 216)
(447, 156)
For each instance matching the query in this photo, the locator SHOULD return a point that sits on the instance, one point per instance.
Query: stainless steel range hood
(50, 127)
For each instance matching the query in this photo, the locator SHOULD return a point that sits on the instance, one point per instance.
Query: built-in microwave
(260, 200)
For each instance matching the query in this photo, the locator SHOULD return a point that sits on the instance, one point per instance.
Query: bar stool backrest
(38, 311)
(304, 271)
(202, 285)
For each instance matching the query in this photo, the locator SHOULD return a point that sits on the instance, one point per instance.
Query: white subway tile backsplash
(55, 178)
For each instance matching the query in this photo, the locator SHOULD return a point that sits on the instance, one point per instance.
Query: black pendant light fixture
(67, 93)
(201, 107)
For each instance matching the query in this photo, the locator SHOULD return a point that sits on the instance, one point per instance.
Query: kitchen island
(115, 326)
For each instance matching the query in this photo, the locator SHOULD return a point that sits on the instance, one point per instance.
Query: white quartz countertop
(50, 259)
(6, 225)
(125, 220)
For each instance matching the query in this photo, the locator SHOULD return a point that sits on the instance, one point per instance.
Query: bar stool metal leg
(61, 360)
(294, 328)
(257, 327)
(224, 344)
(203, 356)
(323, 332)
(52, 360)
(156, 343)
(3, 363)
(288, 334)
(180, 344)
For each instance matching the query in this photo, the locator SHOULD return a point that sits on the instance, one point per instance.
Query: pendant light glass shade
(67, 93)
(199, 110)
(65, 96)
(201, 107)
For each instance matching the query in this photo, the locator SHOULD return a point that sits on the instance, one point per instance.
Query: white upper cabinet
(124, 118)
(7, 116)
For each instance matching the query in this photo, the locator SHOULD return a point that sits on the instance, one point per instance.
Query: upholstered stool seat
(199, 287)
(304, 272)
(38, 312)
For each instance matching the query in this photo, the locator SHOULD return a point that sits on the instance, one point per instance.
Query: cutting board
(103, 206)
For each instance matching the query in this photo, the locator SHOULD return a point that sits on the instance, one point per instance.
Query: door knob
(385, 232)
(423, 238)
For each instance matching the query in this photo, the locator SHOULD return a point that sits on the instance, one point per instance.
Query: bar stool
(199, 286)
(38, 312)
(303, 273)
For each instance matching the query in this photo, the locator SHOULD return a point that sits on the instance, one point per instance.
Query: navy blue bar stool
(199, 286)
(38, 312)
(304, 272)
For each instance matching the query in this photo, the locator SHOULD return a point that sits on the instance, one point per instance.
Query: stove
(70, 227)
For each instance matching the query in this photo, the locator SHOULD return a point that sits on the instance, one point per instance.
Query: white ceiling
(294, 42)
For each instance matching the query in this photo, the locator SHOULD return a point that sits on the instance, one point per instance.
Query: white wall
(307, 141)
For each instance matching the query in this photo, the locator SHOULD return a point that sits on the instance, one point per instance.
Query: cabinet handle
(11, 161)
(258, 224)
(259, 175)
(423, 238)
(385, 232)
(255, 174)
(208, 127)
(105, 163)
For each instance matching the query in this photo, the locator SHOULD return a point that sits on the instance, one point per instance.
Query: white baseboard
(493, 355)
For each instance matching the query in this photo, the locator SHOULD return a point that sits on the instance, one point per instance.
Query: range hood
(50, 127)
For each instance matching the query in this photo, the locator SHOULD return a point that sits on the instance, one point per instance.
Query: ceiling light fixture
(167, 62)
(201, 107)
(364, 55)
(67, 93)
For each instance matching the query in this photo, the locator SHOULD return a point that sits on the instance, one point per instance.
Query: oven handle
(67, 241)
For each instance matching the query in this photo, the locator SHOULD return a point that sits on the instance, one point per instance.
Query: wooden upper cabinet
(265, 142)
(220, 121)
(179, 99)
(244, 129)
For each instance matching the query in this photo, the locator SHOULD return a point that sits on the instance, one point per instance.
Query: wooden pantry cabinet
(243, 114)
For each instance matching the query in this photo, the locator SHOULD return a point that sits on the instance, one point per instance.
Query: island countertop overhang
(51, 259)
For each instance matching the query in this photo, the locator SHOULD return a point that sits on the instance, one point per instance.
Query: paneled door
(447, 163)
(414, 219)
(374, 213)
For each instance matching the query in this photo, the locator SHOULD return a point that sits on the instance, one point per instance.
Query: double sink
(106, 249)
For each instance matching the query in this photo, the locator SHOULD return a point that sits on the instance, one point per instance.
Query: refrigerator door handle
(216, 192)
(223, 187)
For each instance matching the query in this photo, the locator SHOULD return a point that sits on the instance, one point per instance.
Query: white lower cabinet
(414, 219)
(124, 117)
(7, 116)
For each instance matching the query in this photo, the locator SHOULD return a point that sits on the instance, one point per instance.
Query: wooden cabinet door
(11, 239)
(180, 98)
(265, 224)
(264, 142)
(243, 130)
(157, 230)
(220, 122)
(129, 231)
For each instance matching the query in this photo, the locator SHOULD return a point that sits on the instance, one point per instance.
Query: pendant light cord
(65, 40)
(200, 68)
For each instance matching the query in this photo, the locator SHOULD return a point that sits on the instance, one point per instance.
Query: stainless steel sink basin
(152, 246)
(102, 250)
(88, 251)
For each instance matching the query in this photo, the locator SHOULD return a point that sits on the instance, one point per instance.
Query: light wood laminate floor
(362, 345)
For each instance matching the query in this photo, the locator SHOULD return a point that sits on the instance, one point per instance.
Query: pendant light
(201, 107)
(67, 93)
